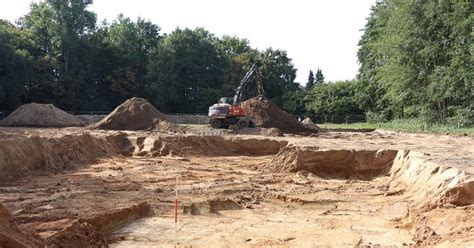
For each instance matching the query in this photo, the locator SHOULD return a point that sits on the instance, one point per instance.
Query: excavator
(228, 113)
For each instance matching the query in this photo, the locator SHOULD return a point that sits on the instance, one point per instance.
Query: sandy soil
(127, 201)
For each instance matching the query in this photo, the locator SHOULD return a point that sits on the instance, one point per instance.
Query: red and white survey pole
(176, 209)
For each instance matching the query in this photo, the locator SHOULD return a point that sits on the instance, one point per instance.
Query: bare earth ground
(227, 201)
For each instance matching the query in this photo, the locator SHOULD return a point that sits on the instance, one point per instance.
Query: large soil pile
(264, 113)
(136, 114)
(40, 115)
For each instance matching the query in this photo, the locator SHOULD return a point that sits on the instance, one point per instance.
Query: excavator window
(228, 100)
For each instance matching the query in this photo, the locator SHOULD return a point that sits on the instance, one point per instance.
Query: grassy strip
(405, 125)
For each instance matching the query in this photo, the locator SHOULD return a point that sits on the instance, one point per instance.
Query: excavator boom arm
(253, 72)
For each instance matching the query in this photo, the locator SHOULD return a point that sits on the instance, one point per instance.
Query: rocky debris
(266, 114)
(40, 115)
(136, 114)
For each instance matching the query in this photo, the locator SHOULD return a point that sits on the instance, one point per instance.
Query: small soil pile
(40, 115)
(310, 124)
(264, 113)
(136, 114)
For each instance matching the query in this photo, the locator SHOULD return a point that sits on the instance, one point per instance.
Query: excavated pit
(233, 191)
(340, 164)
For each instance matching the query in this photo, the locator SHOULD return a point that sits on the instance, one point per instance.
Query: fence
(94, 116)
(202, 119)
(196, 119)
(333, 119)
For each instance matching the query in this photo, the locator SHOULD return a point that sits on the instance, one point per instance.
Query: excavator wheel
(242, 123)
(216, 123)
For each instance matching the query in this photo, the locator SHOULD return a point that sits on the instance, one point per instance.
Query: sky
(315, 33)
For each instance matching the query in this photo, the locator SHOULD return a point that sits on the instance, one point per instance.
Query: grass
(405, 125)
(409, 125)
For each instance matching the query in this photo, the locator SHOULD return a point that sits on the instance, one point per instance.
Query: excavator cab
(228, 100)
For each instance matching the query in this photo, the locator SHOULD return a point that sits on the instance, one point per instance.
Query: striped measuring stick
(176, 208)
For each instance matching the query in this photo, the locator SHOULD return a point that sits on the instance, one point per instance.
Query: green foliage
(410, 125)
(293, 101)
(416, 60)
(278, 74)
(15, 64)
(192, 69)
(59, 54)
(319, 79)
(333, 98)
(310, 82)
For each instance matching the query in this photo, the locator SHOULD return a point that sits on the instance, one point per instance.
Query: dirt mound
(332, 163)
(136, 114)
(40, 115)
(310, 124)
(264, 113)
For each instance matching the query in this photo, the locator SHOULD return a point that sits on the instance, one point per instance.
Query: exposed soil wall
(92, 231)
(10, 236)
(205, 146)
(22, 156)
(332, 163)
(427, 182)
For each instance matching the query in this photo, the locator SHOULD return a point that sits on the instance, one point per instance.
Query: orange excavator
(228, 113)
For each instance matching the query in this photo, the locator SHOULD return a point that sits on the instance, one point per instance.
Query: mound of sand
(266, 114)
(136, 114)
(310, 124)
(40, 115)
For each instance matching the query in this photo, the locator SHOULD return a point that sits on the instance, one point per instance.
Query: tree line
(416, 61)
(58, 53)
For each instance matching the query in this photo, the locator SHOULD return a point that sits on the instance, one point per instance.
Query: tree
(58, 28)
(333, 98)
(15, 65)
(238, 58)
(293, 101)
(319, 79)
(311, 80)
(135, 42)
(278, 74)
(416, 60)
(185, 72)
